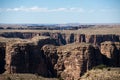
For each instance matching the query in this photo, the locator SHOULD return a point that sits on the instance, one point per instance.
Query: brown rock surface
(74, 60)
(50, 52)
(3, 42)
(111, 53)
(94, 35)
(25, 56)
(17, 57)
(70, 61)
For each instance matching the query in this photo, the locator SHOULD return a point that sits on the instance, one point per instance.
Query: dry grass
(102, 74)
(23, 77)
(94, 30)
(113, 30)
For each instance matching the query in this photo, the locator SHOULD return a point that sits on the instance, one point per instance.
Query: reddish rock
(39, 55)
(17, 57)
(63, 38)
(111, 53)
(26, 56)
(74, 60)
(50, 52)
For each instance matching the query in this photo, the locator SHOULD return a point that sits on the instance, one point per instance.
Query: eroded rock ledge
(25, 56)
(41, 55)
(66, 37)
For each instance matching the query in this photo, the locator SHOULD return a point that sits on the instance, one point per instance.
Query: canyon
(67, 54)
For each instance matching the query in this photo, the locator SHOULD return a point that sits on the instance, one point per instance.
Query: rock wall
(64, 38)
(17, 57)
(25, 56)
(40, 55)
(2, 57)
(111, 53)
(74, 60)
(51, 57)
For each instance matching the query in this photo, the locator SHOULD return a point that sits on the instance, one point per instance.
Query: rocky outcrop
(17, 57)
(25, 56)
(3, 43)
(40, 55)
(71, 61)
(111, 53)
(74, 60)
(64, 37)
(51, 57)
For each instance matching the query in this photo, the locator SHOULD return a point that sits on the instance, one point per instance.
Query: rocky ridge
(42, 55)
(90, 35)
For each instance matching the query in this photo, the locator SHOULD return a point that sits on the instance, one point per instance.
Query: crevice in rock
(2, 59)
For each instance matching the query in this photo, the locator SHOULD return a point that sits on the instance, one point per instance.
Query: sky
(59, 11)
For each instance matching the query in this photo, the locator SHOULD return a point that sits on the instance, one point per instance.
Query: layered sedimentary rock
(40, 55)
(64, 37)
(3, 42)
(17, 57)
(51, 57)
(74, 60)
(71, 61)
(25, 56)
(111, 53)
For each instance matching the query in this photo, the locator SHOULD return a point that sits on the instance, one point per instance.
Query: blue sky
(59, 11)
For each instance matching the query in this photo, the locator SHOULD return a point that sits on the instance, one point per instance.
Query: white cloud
(42, 9)
(35, 8)
(77, 9)
(17, 9)
(61, 9)
(57, 9)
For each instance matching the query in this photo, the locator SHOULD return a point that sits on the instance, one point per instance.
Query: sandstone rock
(74, 60)
(3, 42)
(17, 57)
(65, 37)
(111, 53)
(39, 55)
(42, 40)
(26, 56)
(50, 52)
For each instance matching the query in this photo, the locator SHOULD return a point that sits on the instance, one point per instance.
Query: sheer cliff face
(39, 55)
(111, 53)
(2, 57)
(74, 60)
(65, 38)
(26, 56)
(51, 57)
(17, 57)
